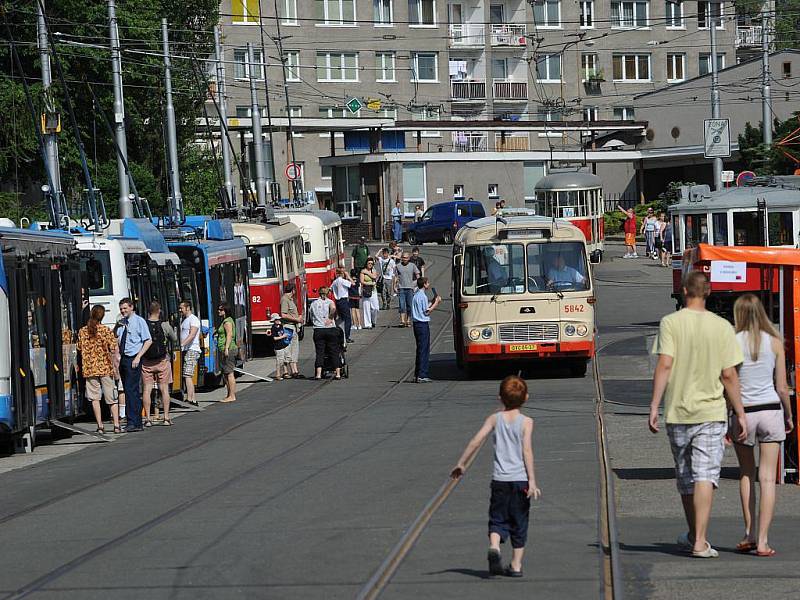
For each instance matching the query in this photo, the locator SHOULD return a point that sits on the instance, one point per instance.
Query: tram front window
(746, 231)
(720, 229)
(780, 229)
(265, 261)
(494, 269)
(98, 270)
(557, 267)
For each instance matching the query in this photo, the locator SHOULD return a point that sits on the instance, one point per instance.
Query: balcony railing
(748, 37)
(508, 34)
(465, 35)
(468, 90)
(511, 142)
(469, 141)
(505, 89)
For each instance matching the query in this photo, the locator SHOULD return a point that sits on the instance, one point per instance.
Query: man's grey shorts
(697, 450)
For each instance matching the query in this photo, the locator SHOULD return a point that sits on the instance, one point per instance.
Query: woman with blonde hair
(765, 395)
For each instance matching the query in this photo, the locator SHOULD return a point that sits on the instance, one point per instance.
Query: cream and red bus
(522, 291)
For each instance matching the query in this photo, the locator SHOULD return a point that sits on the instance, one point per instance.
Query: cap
(274, 316)
(288, 288)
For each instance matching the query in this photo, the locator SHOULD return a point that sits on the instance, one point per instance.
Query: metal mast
(279, 41)
(125, 204)
(255, 116)
(766, 101)
(714, 10)
(50, 139)
(223, 120)
(176, 204)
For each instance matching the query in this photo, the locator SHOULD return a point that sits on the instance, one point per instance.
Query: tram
(578, 198)
(41, 282)
(275, 253)
(522, 290)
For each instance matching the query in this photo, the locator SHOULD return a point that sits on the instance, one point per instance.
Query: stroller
(340, 361)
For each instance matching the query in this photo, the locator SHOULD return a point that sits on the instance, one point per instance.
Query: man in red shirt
(630, 232)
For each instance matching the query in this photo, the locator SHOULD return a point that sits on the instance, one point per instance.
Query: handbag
(366, 291)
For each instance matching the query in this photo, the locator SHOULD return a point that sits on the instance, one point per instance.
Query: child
(281, 338)
(513, 480)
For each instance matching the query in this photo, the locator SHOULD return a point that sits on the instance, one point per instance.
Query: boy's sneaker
(424, 380)
(495, 562)
(634, 255)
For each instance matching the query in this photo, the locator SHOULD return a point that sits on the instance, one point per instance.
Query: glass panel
(641, 14)
(616, 62)
(644, 67)
(349, 11)
(557, 266)
(780, 229)
(532, 173)
(413, 11)
(267, 262)
(98, 269)
(494, 269)
(427, 12)
(414, 181)
(720, 221)
(746, 230)
(696, 230)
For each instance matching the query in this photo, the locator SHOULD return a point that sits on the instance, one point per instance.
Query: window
(497, 15)
(676, 67)
(289, 12)
(413, 186)
(708, 11)
(266, 262)
(589, 66)
(532, 172)
(336, 66)
(630, 14)
(292, 65)
(242, 112)
(241, 67)
(500, 68)
(587, 13)
(631, 67)
(458, 190)
(388, 113)
(331, 112)
(696, 230)
(244, 11)
(548, 68)
(547, 13)
(787, 69)
(425, 67)
(720, 221)
(427, 113)
(591, 113)
(382, 13)
(624, 113)
(705, 63)
(296, 112)
(493, 190)
(780, 228)
(746, 229)
(385, 65)
(326, 172)
(347, 192)
(674, 14)
(494, 270)
(557, 267)
(98, 266)
(421, 12)
(336, 12)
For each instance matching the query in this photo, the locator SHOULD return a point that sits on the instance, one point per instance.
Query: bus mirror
(456, 260)
(306, 247)
(255, 262)
(595, 257)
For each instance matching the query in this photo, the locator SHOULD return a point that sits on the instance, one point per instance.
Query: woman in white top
(765, 396)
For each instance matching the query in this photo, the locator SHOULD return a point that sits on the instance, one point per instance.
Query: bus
(522, 291)
(41, 301)
(275, 253)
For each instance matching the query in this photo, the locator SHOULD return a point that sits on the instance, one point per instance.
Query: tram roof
(327, 217)
(265, 233)
(783, 192)
(574, 180)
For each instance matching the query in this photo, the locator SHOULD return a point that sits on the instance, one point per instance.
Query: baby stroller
(340, 361)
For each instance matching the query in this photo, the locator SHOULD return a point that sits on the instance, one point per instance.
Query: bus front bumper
(481, 352)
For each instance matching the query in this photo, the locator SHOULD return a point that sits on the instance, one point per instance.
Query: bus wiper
(551, 286)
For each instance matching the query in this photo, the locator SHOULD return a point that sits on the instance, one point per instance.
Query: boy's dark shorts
(508, 511)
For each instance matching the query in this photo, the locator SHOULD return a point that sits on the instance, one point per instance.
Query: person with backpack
(157, 362)
(360, 254)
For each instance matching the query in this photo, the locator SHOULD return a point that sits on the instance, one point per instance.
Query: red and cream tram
(577, 197)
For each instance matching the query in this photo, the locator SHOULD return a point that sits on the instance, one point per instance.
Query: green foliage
(200, 181)
(14, 207)
(673, 193)
(768, 161)
(614, 219)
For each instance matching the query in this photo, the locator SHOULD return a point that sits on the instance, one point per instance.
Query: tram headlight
(475, 334)
(582, 330)
(487, 333)
(569, 330)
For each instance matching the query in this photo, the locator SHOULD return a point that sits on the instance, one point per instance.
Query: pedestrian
(281, 339)
(397, 222)
(190, 348)
(354, 296)
(341, 297)
(290, 317)
(768, 410)
(696, 371)
(326, 336)
(406, 275)
(666, 235)
(513, 476)
(418, 213)
(629, 227)
(395, 251)
(134, 340)
(658, 250)
(418, 260)
(502, 205)
(386, 266)
(421, 310)
(157, 362)
(360, 254)
(496, 208)
(369, 295)
(227, 347)
(99, 353)
(648, 228)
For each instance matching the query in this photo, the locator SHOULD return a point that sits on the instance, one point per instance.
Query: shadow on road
(469, 572)
(656, 473)
(443, 368)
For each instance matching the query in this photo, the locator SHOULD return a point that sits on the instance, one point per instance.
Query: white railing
(467, 34)
(506, 89)
(469, 141)
(748, 36)
(468, 90)
(508, 34)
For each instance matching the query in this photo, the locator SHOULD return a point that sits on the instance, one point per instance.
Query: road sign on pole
(354, 105)
(293, 171)
(717, 138)
(727, 176)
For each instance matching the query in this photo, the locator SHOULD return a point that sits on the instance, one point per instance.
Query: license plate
(521, 347)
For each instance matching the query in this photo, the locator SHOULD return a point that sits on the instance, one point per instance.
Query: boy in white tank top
(513, 479)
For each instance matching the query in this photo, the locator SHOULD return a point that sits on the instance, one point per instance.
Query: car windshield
(494, 269)
(559, 266)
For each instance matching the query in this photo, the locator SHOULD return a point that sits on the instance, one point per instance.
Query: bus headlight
(569, 329)
(582, 330)
(475, 334)
(487, 333)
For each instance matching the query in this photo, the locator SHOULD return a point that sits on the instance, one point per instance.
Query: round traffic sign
(744, 176)
(293, 171)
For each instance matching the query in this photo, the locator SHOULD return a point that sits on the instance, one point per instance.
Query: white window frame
(706, 56)
(637, 79)
(333, 113)
(380, 20)
(381, 67)
(584, 4)
(585, 68)
(419, 11)
(237, 52)
(591, 113)
(720, 23)
(672, 60)
(415, 63)
(292, 65)
(341, 22)
(289, 7)
(624, 113)
(424, 200)
(619, 24)
(247, 18)
(297, 113)
(545, 23)
(388, 113)
(458, 191)
(673, 11)
(546, 60)
(549, 115)
(427, 114)
(493, 190)
(341, 55)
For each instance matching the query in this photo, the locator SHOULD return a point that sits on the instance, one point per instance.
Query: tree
(767, 161)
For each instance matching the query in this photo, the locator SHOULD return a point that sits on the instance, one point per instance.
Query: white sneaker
(634, 255)
(627, 255)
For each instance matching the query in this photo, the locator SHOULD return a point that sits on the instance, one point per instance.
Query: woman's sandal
(707, 552)
(99, 430)
(117, 429)
(767, 553)
(337, 377)
(167, 422)
(746, 547)
(148, 423)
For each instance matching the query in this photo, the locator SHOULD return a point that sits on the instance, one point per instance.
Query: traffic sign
(293, 171)
(374, 105)
(717, 138)
(727, 176)
(744, 176)
(354, 105)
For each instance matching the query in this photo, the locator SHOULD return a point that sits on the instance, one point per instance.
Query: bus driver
(560, 273)
(495, 272)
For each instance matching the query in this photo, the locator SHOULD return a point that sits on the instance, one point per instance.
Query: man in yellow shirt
(698, 357)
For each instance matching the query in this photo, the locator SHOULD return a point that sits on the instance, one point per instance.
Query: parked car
(441, 221)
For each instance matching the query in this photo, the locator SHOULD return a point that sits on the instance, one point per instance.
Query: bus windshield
(557, 266)
(494, 269)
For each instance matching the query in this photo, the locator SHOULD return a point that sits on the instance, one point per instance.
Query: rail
(469, 141)
(508, 34)
(508, 89)
(748, 36)
(468, 90)
(465, 35)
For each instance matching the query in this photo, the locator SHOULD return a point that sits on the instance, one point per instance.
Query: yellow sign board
(374, 105)
(522, 347)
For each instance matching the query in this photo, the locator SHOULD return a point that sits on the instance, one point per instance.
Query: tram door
(70, 282)
(595, 214)
(187, 290)
(24, 333)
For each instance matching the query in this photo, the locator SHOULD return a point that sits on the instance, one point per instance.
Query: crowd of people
(657, 233)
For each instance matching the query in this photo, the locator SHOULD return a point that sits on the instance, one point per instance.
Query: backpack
(158, 349)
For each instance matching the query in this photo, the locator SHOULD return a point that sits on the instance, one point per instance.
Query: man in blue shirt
(134, 339)
(421, 310)
(397, 222)
(560, 273)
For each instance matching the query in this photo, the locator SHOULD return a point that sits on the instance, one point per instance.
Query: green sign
(354, 105)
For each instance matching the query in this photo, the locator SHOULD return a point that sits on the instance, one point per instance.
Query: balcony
(508, 34)
(467, 35)
(511, 142)
(748, 37)
(506, 89)
(468, 90)
(470, 141)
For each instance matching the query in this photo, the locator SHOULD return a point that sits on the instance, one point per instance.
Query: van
(441, 221)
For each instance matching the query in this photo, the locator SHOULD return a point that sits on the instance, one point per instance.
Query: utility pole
(223, 120)
(766, 101)
(279, 40)
(176, 204)
(50, 139)
(255, 117)
(274, 177)
(714, 12)
(125, 204)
